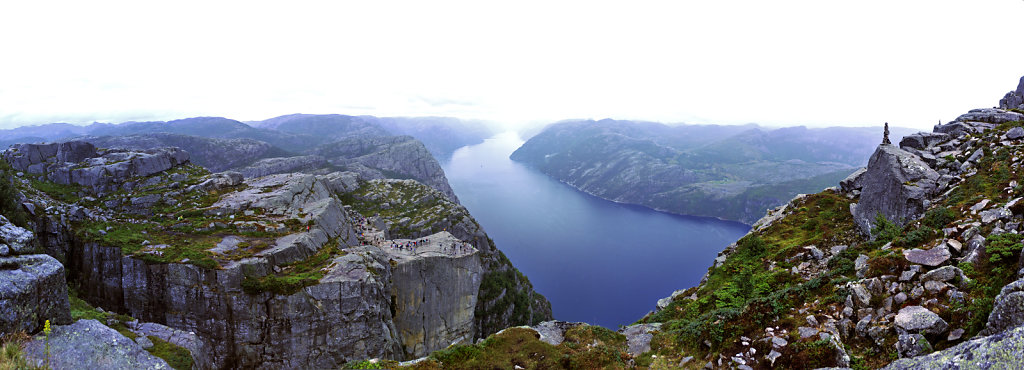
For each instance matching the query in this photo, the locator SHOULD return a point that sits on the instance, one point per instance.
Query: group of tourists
(368, 234)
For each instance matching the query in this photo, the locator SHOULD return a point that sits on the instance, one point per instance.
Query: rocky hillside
(214, 154)
(180, 267)
(914, 262)
(315, 144)
(728, 172)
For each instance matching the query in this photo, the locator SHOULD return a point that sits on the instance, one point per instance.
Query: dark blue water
(596, 261)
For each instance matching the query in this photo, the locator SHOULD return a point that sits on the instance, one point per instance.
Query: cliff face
(271, 272)
(388, 157)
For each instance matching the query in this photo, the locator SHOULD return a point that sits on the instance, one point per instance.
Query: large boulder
(32, 290)
(638, 337)
(88, 344)
(896, 184)
(853, 182)
(1008, 310)
(914, 319)
(1000, 351)
(923, 140)
(1014, 99)
(928, 257)
(75, 151)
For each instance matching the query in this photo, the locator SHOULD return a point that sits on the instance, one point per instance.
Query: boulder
(1015, 133)
(992, 215)
(944, 274)
(852, 182)
(914, 319)
(552, 332)
(922, 140)
(32, 290)
(990, 115)
(1001, 351)
(638, 337)
(1008, 310)
(88, 344)
(975, 250)
(928, 257)
(75, 151)
(1014, 99)
(17, 239)
(912, 345)
(954, 128)
(896, 184)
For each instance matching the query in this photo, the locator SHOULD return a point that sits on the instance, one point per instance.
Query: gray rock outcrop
(1014, 99)
(271, 166)
(215, 154)
(999, 351)
(638, 337)
(32, 290)
(896, 184)
(915, 319)
(990, 115)
(88, 344)
(553, 332)
(1008, 310)
(929, 257)
(100, 172)
(388, 157)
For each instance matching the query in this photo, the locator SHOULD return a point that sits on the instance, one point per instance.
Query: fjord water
(596, 261)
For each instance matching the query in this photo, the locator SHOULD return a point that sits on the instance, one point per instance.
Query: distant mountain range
(728, 172)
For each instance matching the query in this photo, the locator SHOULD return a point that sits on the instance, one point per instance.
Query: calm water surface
(596, 261)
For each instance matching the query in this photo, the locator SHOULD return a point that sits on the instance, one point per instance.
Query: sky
(777, 63)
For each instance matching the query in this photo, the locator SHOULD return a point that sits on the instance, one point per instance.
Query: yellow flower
(46, 328)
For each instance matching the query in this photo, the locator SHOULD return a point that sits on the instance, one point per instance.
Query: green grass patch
(177, 357)
(129, 236)
(294, 276)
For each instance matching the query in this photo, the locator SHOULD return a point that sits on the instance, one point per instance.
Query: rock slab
(914, 319)
(32, 290)
(87, 344)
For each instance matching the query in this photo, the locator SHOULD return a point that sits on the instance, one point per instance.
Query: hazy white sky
(818, 62)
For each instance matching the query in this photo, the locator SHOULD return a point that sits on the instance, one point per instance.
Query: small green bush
(1003, 247)
(938, 218)
(884, 230)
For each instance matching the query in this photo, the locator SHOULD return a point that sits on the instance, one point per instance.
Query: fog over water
(595, 260)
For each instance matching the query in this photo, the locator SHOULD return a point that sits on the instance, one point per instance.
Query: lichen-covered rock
(638, 337)
(911, 345)
(896, 184)
(935, 256)
(915, 319)
(553, 332)
(32, 290)
(17, 240)
(88, 344)
(1008, 310)
(999, 351)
